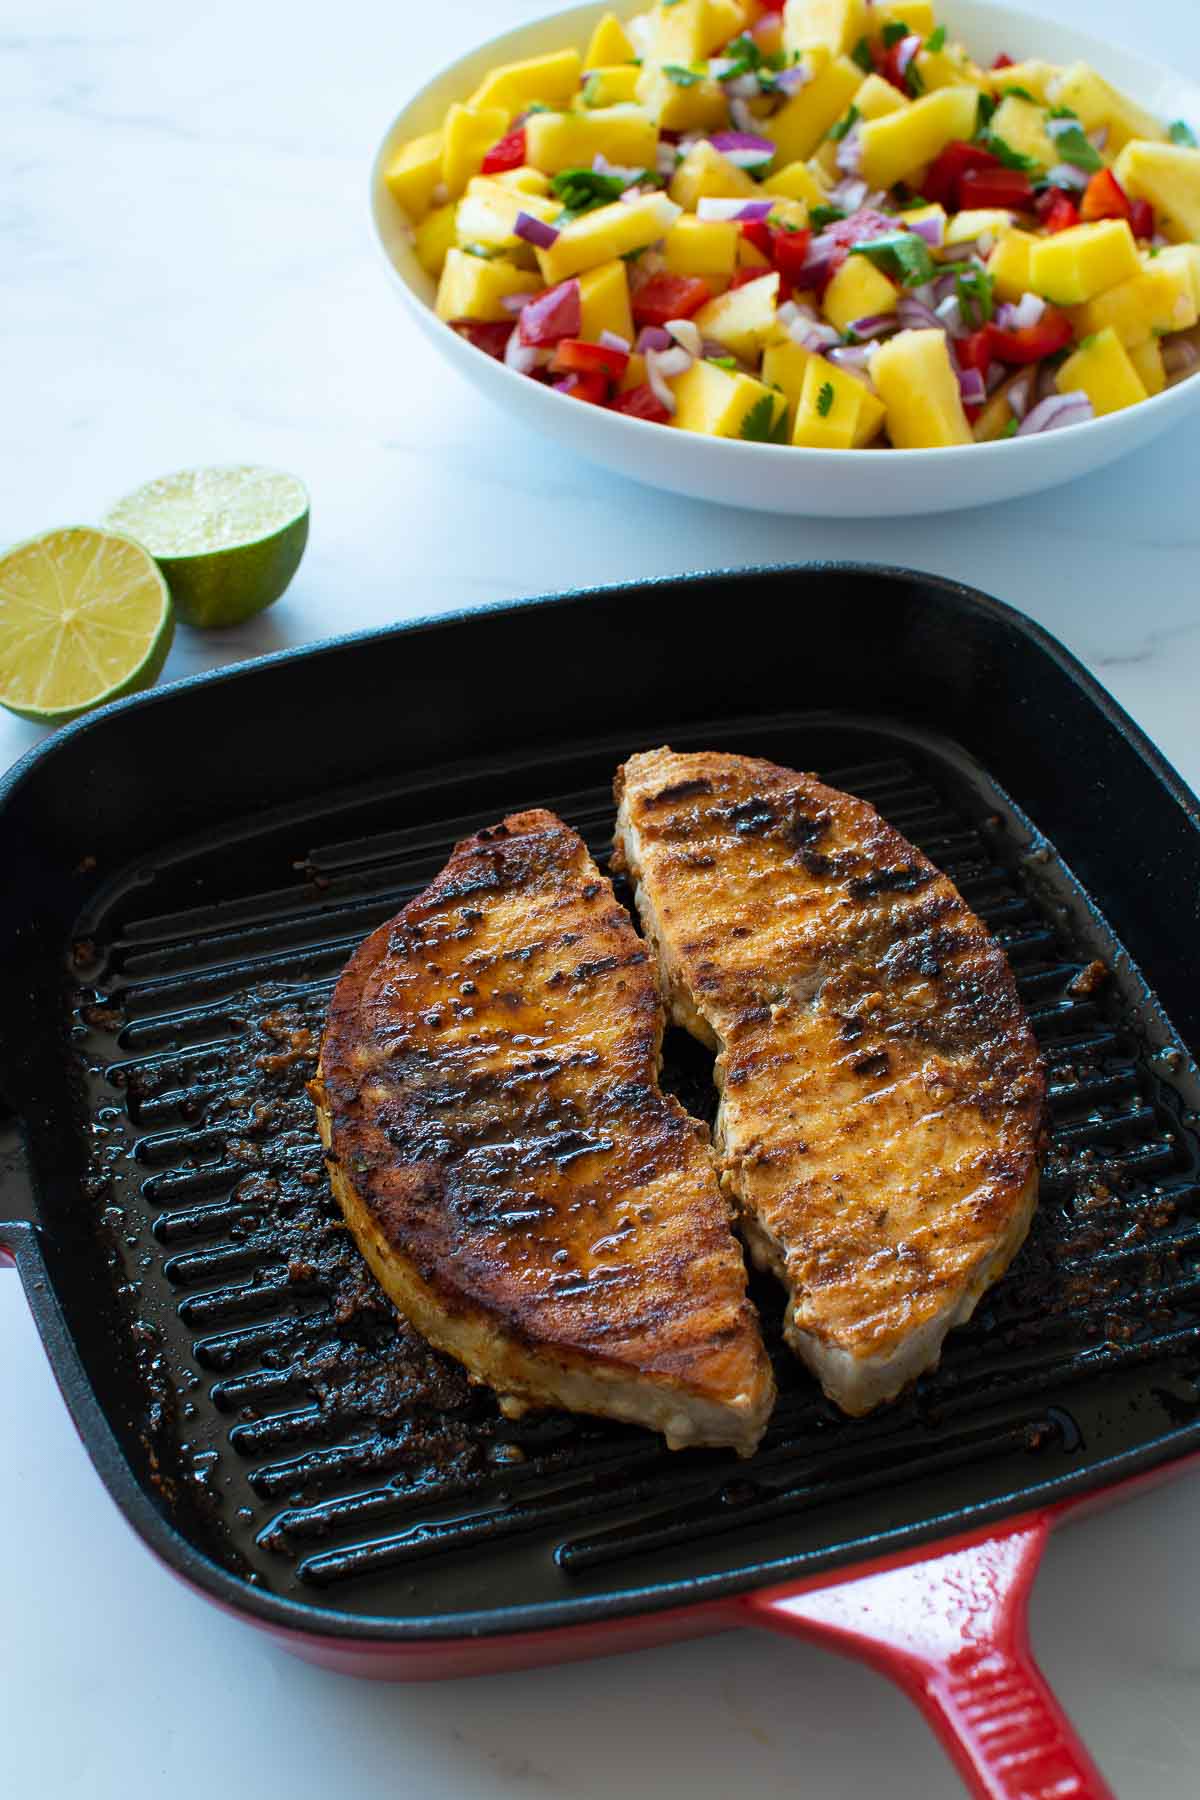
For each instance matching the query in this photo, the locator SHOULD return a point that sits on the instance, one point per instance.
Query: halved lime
(227, 540)
(85, 617)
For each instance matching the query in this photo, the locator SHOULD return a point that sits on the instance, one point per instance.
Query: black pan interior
(294, 1438)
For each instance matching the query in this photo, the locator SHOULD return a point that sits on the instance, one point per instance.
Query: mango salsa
(817, 226)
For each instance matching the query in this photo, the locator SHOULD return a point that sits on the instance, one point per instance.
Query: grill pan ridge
(319, 1463)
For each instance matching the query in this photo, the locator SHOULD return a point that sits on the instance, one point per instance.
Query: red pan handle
(951, 1630)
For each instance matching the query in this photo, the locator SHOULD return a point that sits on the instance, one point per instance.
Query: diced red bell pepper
(493, 339)
(1105, 198)
(972, 411)
(666, 297)
(975, 351)
(789, 253)
(592, 388)
(740, 278)
(889, 67)
(509, 153)
(577, 356)
(1141, 218)
(1004, 61)
(642, 403)
(947, 170)
(1031, 343)
(1060, 213)
(758, 233)
(995, 187)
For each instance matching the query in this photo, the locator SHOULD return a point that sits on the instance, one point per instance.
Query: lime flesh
(85, 617)
(227, 540)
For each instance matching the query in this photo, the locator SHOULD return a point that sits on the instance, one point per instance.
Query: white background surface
(187, 276)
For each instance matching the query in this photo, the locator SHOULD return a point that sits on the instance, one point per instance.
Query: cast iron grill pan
(312, 1445)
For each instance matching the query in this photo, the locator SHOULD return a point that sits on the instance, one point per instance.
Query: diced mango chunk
(895, 147)
(1008, 265)
(1099, 103)
(877, 97)
(858, 291)
(916, 15)
(1077, 264)
(488, 211)
(801, 122)
(472, 288)
(718, 402)
(828, 408)
(604, 301)
(681, 106)
(783, 366)
(1022, 126)
(871, 415)
(544, 80)
(599, 236)
(686, 31)
(1183, 262)
(1034, 76)
(704, 174)
(434, 237)
(529, 181)
(614, 86)
(470, 133)
(833, 25)
(744, 318)
(976, 222)
(1147, 359)
(915, 379)
(557, 141)
(949, 67)
(610, 43)
(414, 172)
(1158, 299)
(796, 182)
(1168, 175)
(702, 246)
(1101, 369)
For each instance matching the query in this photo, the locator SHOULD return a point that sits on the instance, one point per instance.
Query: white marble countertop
(188, 277)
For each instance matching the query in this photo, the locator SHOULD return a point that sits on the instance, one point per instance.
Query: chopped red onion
(523, 358)
(1179, 355)
(1021, 392)
(1028, 311)
(932, 230)
(1098, 138)
(790, 81)
(686, 334)
(622, 171)
(1054, 412)
(875, 325)
(567, 385)
(972, 387)
(514, 303)
(743, 87)
(956, 253)
(949, 314)
(811, 334)
(906, 49)
(665, 210)
(675, 361)
(849, 154)
(1066, 175)
(535, 231)
(558, 313)
(612, 340)
(855, 357)
(719, 67)
(667, 160)
(915, 315)
(743, 118)
(996, 373)
(745, 149)
(652, 337)
(943, 288)
(654, 375)
(711, 208)
(631, 195)
(1061, 126)
(985, 243)
(1006, 316)
(850, 194)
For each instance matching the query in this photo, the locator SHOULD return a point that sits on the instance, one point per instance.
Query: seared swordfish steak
(523, 1190)
(881, 1092)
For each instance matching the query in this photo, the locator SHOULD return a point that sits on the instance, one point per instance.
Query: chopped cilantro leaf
(582, 190)
(1011, 429)
(845, 126)
(861, 54)
(1180, 132)
(722, 362)
(1012, 159)
(1020, 93)
(820, 216)
(745, 55)
(684, 78)
(1075, 147)
(667, 3)
(937, 41)
(894, 32)
(825, 400)
(914, 81)
(973, 288)
(760, 425)
(591, 90)
(1063, 112)
(901, 253)
(485, 252)
(983, 118)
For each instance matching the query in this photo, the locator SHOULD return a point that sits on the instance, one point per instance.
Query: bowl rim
(1168, 405)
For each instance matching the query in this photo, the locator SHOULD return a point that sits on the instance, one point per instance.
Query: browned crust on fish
(881, 1092)
(523, 1190)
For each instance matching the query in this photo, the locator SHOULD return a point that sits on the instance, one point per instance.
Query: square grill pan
(187, 873)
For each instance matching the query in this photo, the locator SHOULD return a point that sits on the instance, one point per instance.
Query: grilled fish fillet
(523, 1190)
(881, 1092)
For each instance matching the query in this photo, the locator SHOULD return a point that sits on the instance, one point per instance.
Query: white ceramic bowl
(828, 483)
